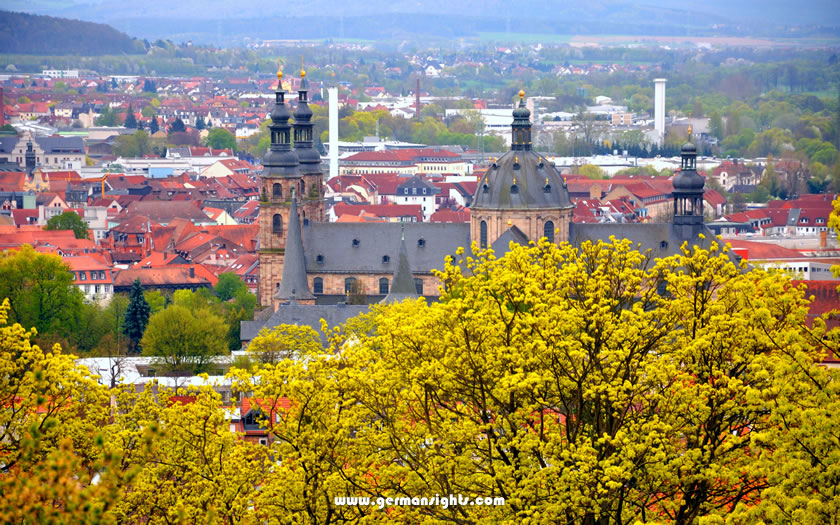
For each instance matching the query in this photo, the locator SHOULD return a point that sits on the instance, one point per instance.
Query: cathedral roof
(402, 285)
(294, 284)
(521, 179)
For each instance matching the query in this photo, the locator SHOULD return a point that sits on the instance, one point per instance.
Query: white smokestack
(333, 132)
(659, 108)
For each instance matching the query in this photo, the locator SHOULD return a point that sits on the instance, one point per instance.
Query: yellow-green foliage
(583, 385)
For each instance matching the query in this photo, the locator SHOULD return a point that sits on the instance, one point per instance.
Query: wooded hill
(21, 33)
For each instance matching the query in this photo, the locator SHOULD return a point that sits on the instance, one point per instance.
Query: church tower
(30, 160)
(310, 193)
(521, 192)
(688, 196)
(281, 175)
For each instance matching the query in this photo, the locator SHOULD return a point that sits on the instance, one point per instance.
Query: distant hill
(46, 35)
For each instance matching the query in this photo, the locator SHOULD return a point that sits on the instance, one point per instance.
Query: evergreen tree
(153, 126)
(177, 126)
(149, 86)
(130, 121)
(199, 123)
(136, 316)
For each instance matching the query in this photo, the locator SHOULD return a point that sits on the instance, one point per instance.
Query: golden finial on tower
(510, 223)
(546, 181)
(302, 69)
(516, 159)
(689, 132)
(521, 93)
(280, 69)
(514, 180)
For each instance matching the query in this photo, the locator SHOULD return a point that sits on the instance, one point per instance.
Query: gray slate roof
(303, 315)
(335, 243)
(402, 285)
(663, 239)
(52, 145)
(495, 191)
(502, 245)
(294, 282)
(7, 144)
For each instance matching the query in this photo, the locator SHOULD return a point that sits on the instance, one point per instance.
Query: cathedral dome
(521, 180)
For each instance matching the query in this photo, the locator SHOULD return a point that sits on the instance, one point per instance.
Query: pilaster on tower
(280, 176)
(311, 186)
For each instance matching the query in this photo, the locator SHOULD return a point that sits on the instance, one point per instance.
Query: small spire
(294, 264)
(521, 94)
(279, 71)
(402, 283)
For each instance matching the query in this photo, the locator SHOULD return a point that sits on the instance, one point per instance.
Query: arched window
(349, 284)
(277, 224)
(383, 286)
(318, 285)
(418, 284)
(302, 188)
(483, 234)
(549, 230)
(277, 190)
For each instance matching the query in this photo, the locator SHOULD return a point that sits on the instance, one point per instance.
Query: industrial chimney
(417, 99)
(333, 92)
(659, 108)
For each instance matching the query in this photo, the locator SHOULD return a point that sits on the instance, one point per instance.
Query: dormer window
(356, 243)
(421, 243)
(319, 259)
(386, 259)
(547, 188)
(486, 188)
(514, 189)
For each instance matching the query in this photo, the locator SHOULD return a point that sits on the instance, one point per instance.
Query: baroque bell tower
(310, 194)
(280, 177)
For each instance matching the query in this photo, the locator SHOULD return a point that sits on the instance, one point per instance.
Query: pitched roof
(12, 180)
(380, 210)
(162, 276)
(763, 250)
(294, 284)
(166, 211)
(402, 285)
(427, 245)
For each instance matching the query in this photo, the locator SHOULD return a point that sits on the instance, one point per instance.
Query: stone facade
(530, 222)
(334, 283)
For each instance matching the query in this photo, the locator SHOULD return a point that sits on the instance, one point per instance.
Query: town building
(309, 268)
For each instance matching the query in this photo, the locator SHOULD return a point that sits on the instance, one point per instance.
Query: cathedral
(308, 267)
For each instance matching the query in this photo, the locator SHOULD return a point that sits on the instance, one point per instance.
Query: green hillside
(46, 35)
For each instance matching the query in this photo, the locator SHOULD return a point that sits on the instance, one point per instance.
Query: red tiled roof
(402, 155)
(462, 215)
(714, 198)
(172, 275)
(380, 210)
(763, 250)
(12, 180)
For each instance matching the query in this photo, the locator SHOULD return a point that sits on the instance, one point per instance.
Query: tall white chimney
(659, 108)
(333, 132)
